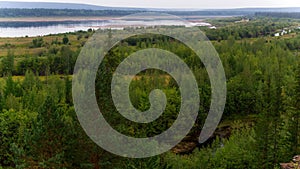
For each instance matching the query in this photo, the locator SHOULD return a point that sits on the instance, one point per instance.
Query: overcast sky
(196, 4)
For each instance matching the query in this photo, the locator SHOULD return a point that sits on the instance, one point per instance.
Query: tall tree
(8, 64)
(47, 140)
(295, 117)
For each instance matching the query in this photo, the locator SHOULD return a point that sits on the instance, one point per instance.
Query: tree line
(39, 127)
(295, 15)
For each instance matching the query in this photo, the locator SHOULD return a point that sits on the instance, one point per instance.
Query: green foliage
(37, 42)
(148, 163)
(222, 154)
(262, 27)
(8, 64)
(65, 40)
(294, 124)
(13, 125)
(39, 127)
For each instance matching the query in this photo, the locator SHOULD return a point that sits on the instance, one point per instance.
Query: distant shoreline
(59, 19)
(96, 18)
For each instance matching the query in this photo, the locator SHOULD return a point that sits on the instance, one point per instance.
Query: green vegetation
(39, 127)
(279, 14)
(255, 28)
(8, 12)
(40, 12)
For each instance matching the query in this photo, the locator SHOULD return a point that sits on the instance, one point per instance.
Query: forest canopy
(259, 129)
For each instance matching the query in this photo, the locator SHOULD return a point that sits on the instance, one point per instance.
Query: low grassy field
(22, 46)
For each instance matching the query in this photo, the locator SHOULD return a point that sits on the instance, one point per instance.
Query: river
(41, 28)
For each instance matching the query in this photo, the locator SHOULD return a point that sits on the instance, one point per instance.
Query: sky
(188, 4)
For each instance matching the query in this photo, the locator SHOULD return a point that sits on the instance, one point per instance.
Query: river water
(41, 28)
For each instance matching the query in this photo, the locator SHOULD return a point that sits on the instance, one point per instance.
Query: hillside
(53, 5)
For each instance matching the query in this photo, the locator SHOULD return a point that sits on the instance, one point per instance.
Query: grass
(42, 78)
(21, 46)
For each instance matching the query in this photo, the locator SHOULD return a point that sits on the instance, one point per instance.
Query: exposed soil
(190, 143)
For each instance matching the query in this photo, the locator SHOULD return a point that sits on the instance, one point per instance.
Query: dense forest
(11, 12)
(258, 28)
(279, 14)
(41, 12)
(39, 127)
